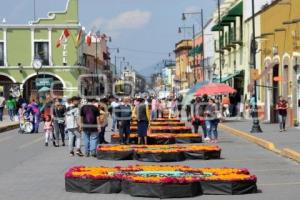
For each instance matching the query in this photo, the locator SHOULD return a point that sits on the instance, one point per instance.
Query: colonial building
(184, 77)
(232, 45)
(280, 72)
(58, 68)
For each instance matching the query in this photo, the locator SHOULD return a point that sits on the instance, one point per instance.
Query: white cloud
(127, 20)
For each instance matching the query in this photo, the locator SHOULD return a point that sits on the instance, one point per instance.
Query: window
(1, 54)
(41, 51)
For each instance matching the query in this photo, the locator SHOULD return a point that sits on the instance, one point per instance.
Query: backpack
(89, 117)
(71, 117)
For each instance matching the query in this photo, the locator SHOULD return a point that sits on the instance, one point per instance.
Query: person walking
(114, 104)
(33, 109)
(103, 123)
(282, 107)
(154, 108)
(73, 126)
(124, 113)
(2, 105)
(48, 130)
(179, 105)
(143, 118)
(211, 121)
(90, 125)
(11, 105)
(58, 116)
(198, 117)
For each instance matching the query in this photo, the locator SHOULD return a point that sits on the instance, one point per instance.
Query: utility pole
(220, 51)
(203, 57)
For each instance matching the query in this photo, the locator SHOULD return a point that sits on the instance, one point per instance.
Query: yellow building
(280, 50)
(183, 76)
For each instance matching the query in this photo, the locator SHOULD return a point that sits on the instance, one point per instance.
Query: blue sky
(147, 25)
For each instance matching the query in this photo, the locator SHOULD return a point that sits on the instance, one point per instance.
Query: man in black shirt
(90, 125)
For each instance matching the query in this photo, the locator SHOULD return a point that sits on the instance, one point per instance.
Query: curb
(9, 127)
(289, 153)
(259, 141)
(286, 152)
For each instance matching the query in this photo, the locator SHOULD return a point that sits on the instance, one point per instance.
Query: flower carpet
(160, 181)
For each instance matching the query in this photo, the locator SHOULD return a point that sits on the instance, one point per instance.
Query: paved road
(28, 170)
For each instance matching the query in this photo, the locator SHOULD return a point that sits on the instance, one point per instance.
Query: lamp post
(255, 126)
(202, 32)
(194, 56)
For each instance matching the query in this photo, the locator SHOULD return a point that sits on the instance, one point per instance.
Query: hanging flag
(88, 39)
(64, 35)
(78, 37)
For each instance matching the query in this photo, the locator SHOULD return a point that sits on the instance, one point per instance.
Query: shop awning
(229, 17)
(236, 10)
(197, 50)
(228, 77)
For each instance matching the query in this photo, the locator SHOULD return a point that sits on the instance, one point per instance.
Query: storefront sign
(65, 52)
(44, 82)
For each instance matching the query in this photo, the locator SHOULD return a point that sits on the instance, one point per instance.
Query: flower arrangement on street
(160, 173)
(99, 173)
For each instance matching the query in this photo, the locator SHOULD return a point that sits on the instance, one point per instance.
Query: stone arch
(8, 76)
(46, 73)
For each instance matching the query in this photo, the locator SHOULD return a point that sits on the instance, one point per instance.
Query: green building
(20, 45)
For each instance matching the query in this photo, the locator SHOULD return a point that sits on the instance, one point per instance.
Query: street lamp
(202, 32)
(118, 51)
(255, 126)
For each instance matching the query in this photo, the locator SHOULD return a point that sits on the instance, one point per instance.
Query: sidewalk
(283, 142)
(7, 125)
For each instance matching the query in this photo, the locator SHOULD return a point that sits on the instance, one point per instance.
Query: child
(48, 128)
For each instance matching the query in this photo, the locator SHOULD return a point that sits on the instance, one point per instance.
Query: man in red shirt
(282, 107)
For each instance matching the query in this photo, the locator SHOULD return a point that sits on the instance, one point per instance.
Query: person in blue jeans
(211, 121)
(124, 113)
(90, 125)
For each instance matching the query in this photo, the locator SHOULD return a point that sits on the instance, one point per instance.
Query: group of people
(206, 113)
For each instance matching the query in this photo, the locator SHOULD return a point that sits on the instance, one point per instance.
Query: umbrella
(190, 94)
(215, 89)
(44, 89)
(197, 86)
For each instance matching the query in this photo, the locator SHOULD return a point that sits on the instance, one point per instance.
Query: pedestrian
(33, 109)
(103, 123)
(282, 107)
(11, 105)
(90, 126)
(211, 121)
(154, 108)
(225, 106)
(188, 112)
(48, 130)
(2, 105)
(143, 118)
(179, 105)
(73, 126)
(114, 104)
(58, 116)
(124, 114)
(198, 117)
